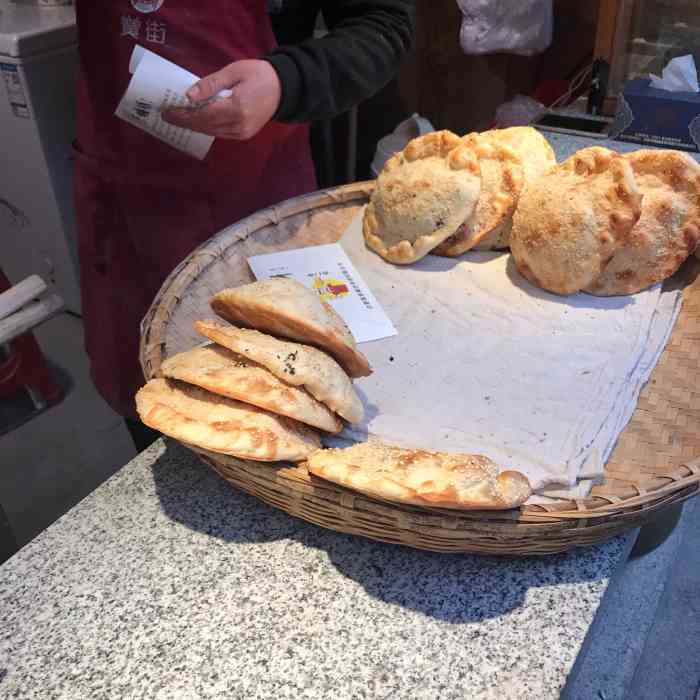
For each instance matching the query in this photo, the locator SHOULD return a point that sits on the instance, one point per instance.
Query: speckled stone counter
(167, 583)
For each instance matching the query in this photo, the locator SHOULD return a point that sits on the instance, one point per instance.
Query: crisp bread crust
(668, 229)
(501, 183)
(537, 157)
(294, 363)
(284, 307)
(198, 417)
(422, 196)
(572, 220)
(225, 373)
(422, 477)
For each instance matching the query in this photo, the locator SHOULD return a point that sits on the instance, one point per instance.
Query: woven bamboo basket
(654, 464)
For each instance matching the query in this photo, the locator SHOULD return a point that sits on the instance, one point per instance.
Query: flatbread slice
(572, 220)
(668, 230)
(501, 183)
(294, 363)
(423, 195)
(222, 372)
(284, 307)
(198, 417)
(420, 477)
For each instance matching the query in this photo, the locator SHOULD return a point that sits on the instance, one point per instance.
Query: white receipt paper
(328, 270)
(157, 83)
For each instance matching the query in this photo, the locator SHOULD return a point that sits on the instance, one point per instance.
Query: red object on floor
(26, 367)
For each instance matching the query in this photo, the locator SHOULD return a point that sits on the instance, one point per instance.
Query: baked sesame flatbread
(501, 183)
(420, 477)
(668, 230)
(572, 220)
(198, 417)
(284, 307)
(533, 148)
(222, 372)
(537, 157)
(294, 363)
(421, 197)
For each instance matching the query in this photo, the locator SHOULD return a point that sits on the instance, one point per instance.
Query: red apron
(142, 206)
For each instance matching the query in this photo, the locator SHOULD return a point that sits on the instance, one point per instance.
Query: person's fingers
(214, 83)
(242, 114)
(207, 119)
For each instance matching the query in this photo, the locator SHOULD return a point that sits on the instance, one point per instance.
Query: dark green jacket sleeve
(324, 77)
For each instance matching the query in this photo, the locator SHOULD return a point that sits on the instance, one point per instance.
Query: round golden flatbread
(198, 417)
(533, 148)
(294, 363)
(537, 157)
(668, 230)
(422, 196)
(572, 220)
(501, 183)
(284, 307)
(422, 477)
(222, 372)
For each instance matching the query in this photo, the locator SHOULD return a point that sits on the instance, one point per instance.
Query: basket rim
(664, 487)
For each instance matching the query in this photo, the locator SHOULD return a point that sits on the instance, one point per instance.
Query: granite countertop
(166, 582)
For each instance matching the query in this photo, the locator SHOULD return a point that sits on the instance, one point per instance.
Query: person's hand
(256, 95)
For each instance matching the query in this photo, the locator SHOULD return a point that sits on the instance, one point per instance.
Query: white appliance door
(37, 127)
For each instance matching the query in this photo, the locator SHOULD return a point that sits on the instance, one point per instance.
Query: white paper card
(155, 85)
(328, 270)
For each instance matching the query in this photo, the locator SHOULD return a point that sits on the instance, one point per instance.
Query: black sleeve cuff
(291, 81)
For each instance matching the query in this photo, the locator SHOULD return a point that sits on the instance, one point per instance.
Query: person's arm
(324, 77)
(316, 79)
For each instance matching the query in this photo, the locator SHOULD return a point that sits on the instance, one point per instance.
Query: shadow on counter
(441, 586)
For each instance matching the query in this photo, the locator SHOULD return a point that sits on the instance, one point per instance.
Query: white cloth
(486, 363)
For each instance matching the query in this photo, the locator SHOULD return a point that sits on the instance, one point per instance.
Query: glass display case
(638, 37)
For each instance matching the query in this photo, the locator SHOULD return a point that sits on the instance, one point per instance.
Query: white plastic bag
(520, 111)
(407, 130)
(523, 27)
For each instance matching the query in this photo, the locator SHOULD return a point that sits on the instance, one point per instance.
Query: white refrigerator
(38, 65)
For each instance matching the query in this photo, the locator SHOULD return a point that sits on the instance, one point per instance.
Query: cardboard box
(655, 117)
